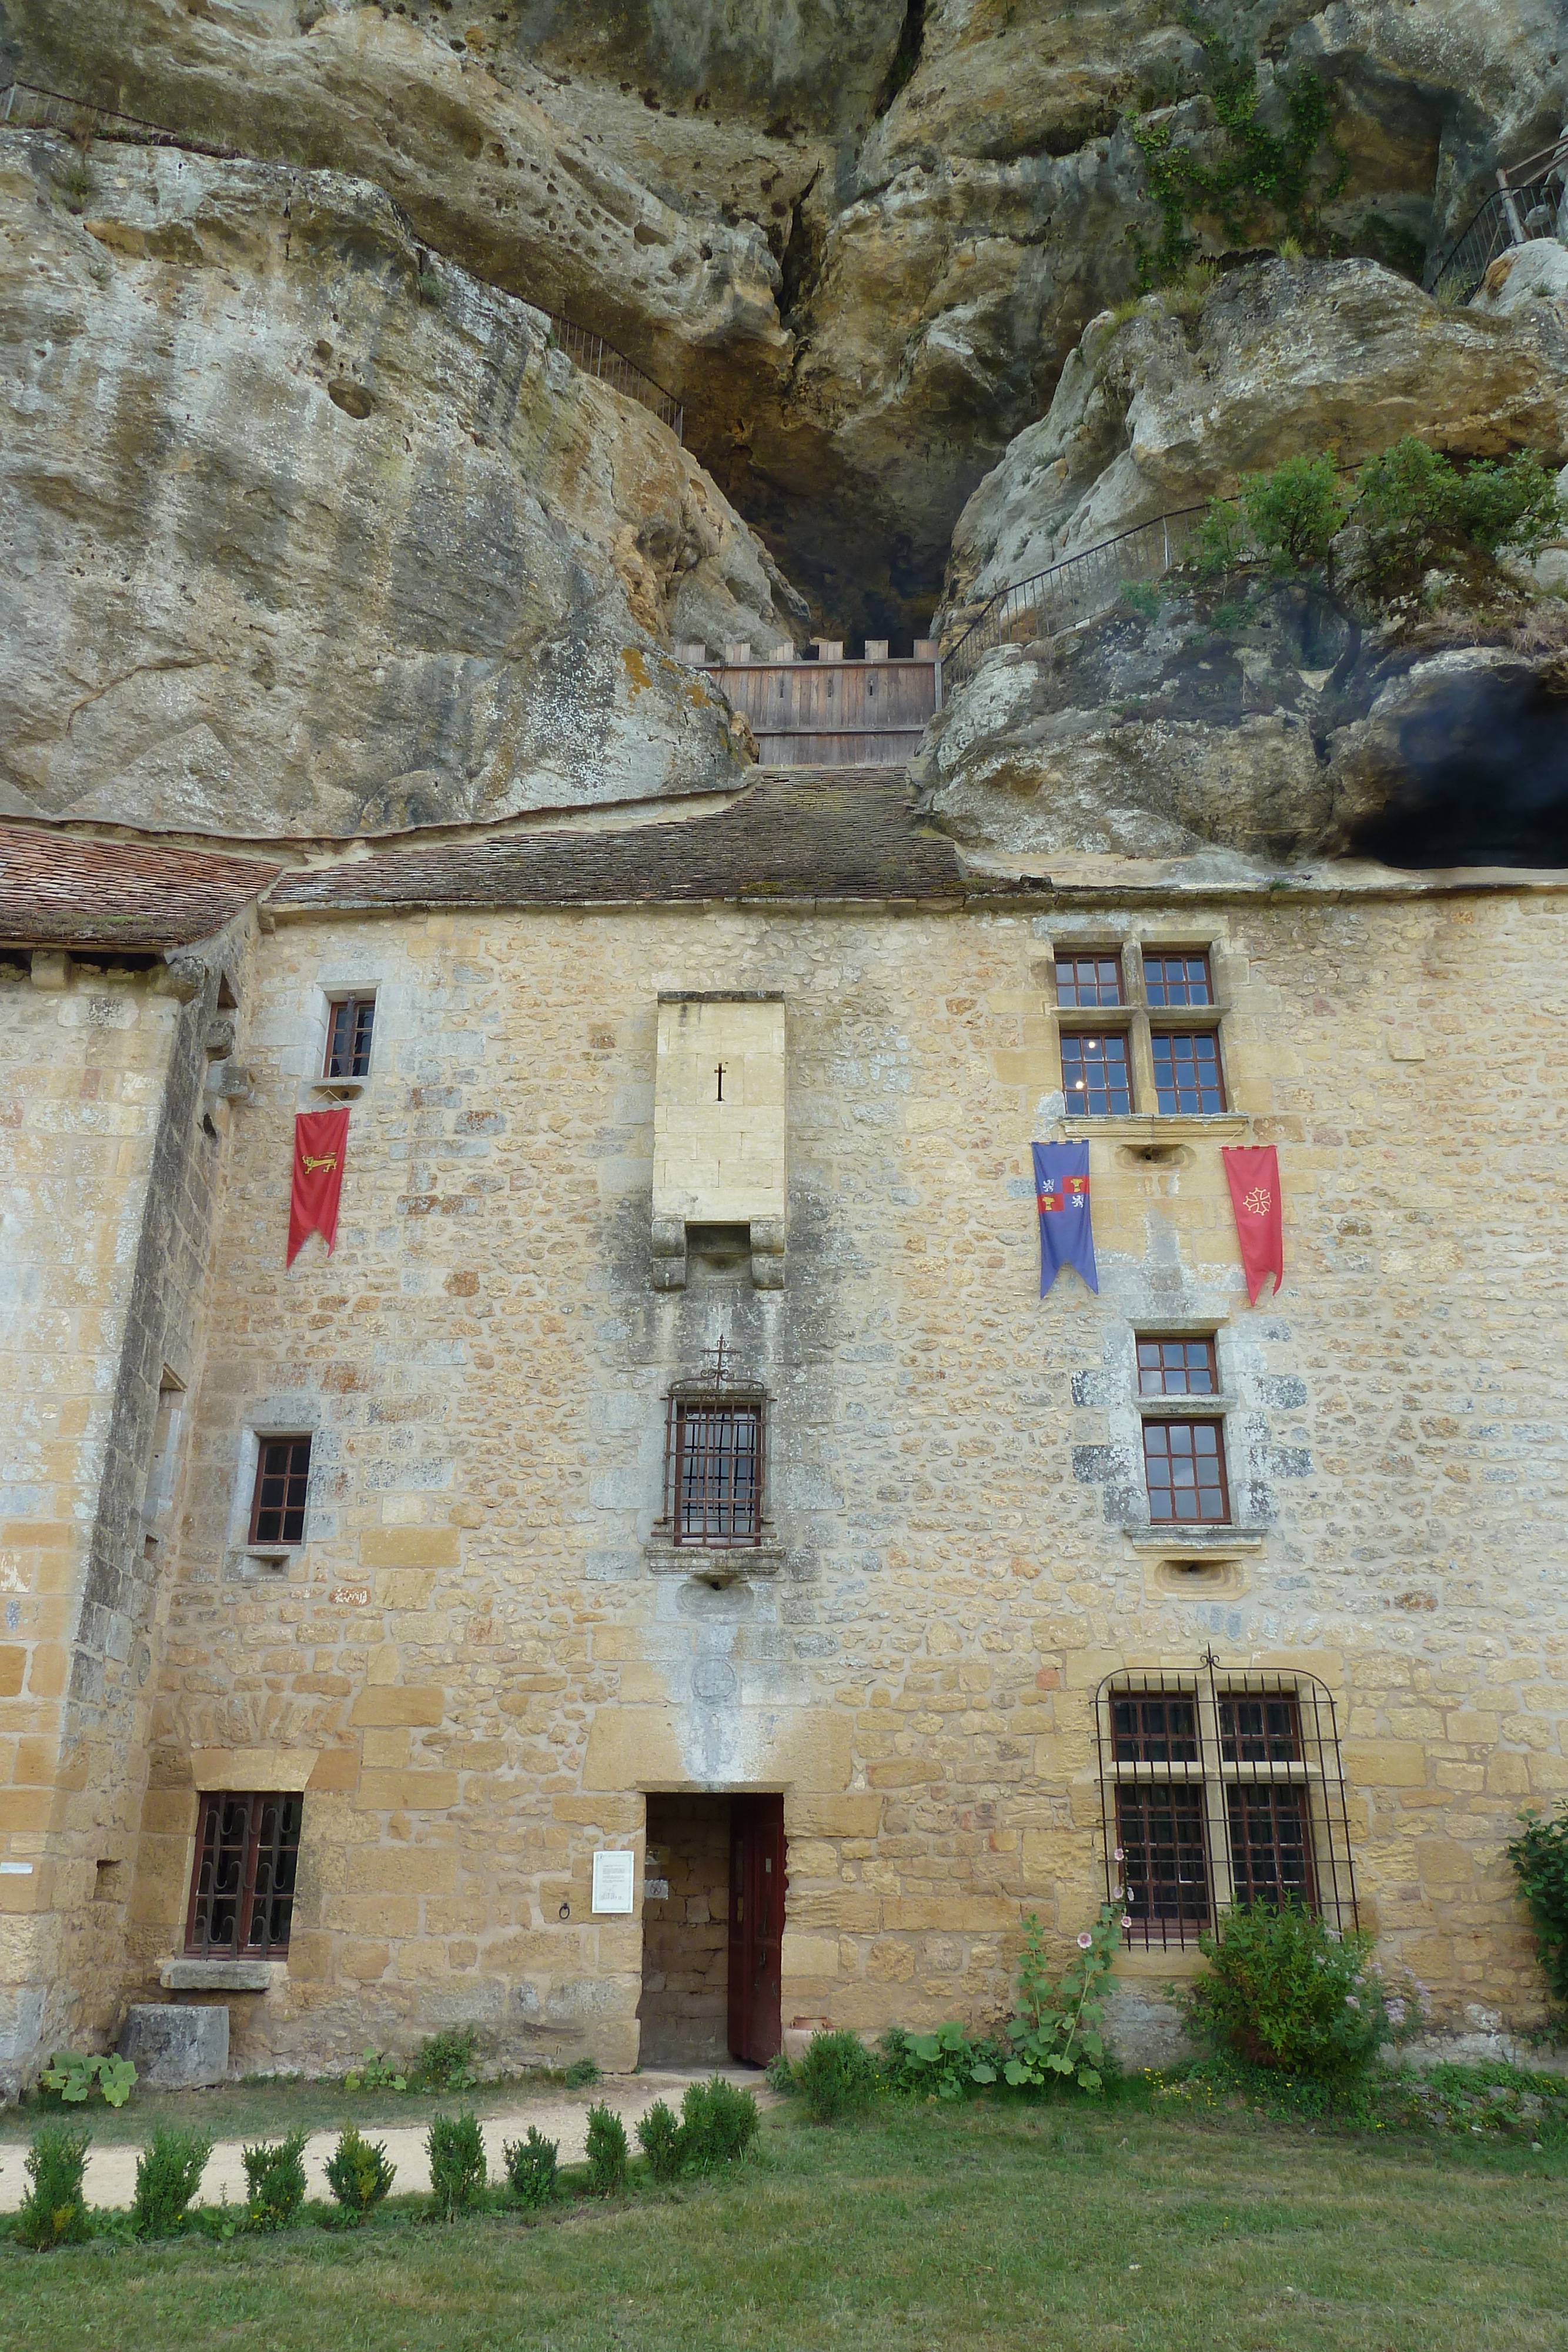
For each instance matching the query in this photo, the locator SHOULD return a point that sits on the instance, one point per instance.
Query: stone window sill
(1156, 1127)
(712, 1564)
(183, 1975)
(1197, 1542)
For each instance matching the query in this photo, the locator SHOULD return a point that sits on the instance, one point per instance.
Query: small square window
(242, 1888)
(1177, 1368)
(282, 1479)
(1090, 980)
(1095, 1077)
(1186, 1071)
(350, 1020)
(1184, 1464)
(1177, 979)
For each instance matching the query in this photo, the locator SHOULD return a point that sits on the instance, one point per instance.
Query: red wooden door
(756, 1928)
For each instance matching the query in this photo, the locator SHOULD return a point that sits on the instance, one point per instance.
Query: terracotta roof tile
(58, 890)
(797, 835)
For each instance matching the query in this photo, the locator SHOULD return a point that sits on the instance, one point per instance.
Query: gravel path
(561, 2115)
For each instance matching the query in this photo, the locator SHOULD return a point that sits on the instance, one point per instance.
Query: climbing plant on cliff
(1259, 175)
(1539, 1858)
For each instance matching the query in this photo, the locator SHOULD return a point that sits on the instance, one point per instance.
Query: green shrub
(72, 2075)
(53, 2212)
(608, 2154)
(940, 2064)
(1539, 1858)
(1416, 504)
(359, 2173)
(659, 2137)
(580, 2073)
(1143, 597)
(445, 2062)
(780, 2072)
(1282, 1989)
(532, 2168)
(459, 2172)
(275, 2181)
(718, 2123)
(1295, 512)
(1219, 543)
(168, 2175)
(838, 2077)
(1056, 2027)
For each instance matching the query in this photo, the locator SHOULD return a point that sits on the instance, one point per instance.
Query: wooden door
(756, 1928)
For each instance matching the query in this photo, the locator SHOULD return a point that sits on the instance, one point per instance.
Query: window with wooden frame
(714, 1461)
(242, 1887)
(1220, 1789)
(1139, 1030)
(1184, 1466)
(282, 1485)
(350, 1022)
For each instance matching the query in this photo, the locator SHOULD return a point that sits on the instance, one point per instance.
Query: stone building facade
(483, 1658)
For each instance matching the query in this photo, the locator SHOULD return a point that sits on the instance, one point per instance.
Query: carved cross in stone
(719, 1073)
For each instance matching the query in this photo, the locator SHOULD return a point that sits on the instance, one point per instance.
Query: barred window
(1094, 1075)
(282, 1485)
(713, 1463)
(350, 1020)
(1187, 1070)
(1221, 1789)
(242, 1888)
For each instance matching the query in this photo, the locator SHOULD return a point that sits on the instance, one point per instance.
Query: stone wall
(112, 1142)
(469, 1656)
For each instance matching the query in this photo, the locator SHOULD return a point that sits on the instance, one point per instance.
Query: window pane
(1177, 1368)
(1090, 981)
(276, 1858)
(349, 1038)
(1177, 979)
(1264, 1730)
(1095, 1077)
(718, 1473)
(282, 1481)
(1271, 1847)
(1186, 1071)
(1149, 1730)
(1164, 1865)
(222, 1856)
(1184, 1464)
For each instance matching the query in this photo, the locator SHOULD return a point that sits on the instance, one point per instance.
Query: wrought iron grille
(714, 1464)
(242, 1890)
(1221, 1786)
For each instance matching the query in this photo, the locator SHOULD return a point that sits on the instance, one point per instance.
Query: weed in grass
(837, 2077)
(580, 2073)
(53, 2212)
(608, 2154)
(458, 2173)
(359, 2173)
(533, 2168)
(445, 2060)
(373, 2072)
(73, 2075)
(275, 2181)
(168, 2175)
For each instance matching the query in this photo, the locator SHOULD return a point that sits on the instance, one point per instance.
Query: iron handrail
(585, 349)
(1503, 221)
(1154, 545)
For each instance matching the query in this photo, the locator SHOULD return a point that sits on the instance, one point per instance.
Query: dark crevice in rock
(905, 57)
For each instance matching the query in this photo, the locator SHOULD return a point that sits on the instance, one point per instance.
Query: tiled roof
(58, 890)
(787, 836)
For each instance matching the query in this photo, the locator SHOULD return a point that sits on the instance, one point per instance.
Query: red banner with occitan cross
(1252, 1172)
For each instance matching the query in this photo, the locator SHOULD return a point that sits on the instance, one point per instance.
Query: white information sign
(614, 1880)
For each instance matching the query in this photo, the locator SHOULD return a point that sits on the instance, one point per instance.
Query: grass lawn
(258, 2110)
(924, 2229)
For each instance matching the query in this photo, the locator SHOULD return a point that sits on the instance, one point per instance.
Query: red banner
(1252, 1172)
(320, 1147)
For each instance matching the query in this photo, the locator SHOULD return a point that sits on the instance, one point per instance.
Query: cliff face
(309, 534)
(861, 237)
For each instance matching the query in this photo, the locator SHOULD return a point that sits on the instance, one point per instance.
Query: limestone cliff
(861, 237)
(308, 532)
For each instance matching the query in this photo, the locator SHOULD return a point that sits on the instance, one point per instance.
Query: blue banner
(1066, 1229)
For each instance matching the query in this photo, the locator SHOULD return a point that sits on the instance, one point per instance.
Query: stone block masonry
(490, 1685)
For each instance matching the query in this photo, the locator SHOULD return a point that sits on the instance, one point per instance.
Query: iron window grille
(351, 1020)
(282, 1484)
(713, 1463)
(1094, 1075)
(1219, 1788)
(242, 1888)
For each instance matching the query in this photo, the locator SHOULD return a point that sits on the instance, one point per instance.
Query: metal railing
(1073, 590)
(1530, 201)
(25, 106)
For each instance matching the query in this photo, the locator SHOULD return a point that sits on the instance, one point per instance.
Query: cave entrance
(712, 1935)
